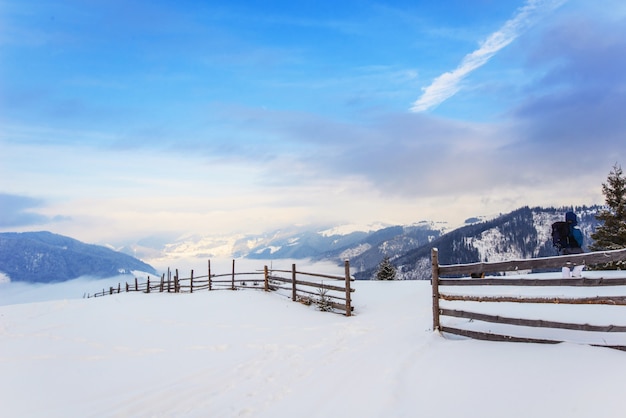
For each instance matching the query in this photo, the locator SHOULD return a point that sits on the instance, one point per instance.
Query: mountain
(295, 244)
(45, 257)
(356, 242)
(389, 241)
(363, 246)
(523, 233)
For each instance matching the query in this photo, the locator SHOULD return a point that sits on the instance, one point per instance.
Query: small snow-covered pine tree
(386, 270)
(611, 234)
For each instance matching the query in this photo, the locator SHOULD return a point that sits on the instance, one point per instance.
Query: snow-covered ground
(255, 354)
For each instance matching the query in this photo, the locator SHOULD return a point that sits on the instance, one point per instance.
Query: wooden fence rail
(444, 275)
(328, 297)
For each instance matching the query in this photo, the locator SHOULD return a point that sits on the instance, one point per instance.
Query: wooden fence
(318, 291)
(444, 276)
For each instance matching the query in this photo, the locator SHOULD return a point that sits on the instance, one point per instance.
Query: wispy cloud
(448, 84)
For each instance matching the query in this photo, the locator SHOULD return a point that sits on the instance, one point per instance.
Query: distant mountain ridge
(294, 242)
(521, 234)
(363, 245)
(332, 244)
(43, 257)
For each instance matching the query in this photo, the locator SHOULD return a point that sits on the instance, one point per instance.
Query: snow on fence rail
(316, 290)
(442, 276)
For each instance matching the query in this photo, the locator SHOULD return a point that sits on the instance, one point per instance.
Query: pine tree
(611, 234)
(386, 270)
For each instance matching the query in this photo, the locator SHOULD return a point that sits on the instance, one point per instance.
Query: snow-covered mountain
(364, 245)
(47, 257)
(523, 233)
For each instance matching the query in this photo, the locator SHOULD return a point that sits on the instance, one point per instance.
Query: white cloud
(448, 84)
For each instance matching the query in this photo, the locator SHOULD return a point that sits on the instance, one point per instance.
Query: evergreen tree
(386, 270)
(611, 234)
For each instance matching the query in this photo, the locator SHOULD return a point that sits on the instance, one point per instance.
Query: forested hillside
(523, 233)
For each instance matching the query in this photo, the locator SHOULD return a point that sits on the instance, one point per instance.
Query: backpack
(560, 235)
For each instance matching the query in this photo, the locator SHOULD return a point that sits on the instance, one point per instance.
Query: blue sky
(122, 120)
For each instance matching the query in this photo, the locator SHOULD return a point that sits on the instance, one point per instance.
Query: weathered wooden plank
(435, 287)
(584, 282)
(293, 283)
(348, 290)
(329, 295)
(597, 300)
(531, 322)
(495, 337)
(342, 307)
(323, 286)
(209, 274)
(504, 338)
(243, 273)
(304, 273)
(312, 284)
(598, 257)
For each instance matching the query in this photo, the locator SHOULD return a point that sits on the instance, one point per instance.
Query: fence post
(210, 283)
(119, 287)
(162, 282)
(232, 278)
(435, 284)
(148, 285)
(126, 287)
(191, 282)
(169, 280)
(348, 290)
(293, 282)
(176, 283)
(266, 275)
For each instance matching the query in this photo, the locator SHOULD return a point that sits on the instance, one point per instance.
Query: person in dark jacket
(575, 238)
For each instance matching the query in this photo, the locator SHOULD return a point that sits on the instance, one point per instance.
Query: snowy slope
(255, 354)
(46, 257)
(521, 234)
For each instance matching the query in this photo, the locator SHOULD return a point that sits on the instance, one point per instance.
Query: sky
(255, 354)
(126, 120)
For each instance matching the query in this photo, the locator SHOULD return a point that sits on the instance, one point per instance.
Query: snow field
(256, 354)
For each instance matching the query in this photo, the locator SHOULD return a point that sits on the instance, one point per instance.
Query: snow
(195, 245)
(273, 249)
(256, 354)
(347, 229)
(543, 225)
(488, 248)
(354, 252)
